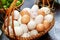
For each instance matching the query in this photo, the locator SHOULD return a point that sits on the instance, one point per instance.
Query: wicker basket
(34, 37)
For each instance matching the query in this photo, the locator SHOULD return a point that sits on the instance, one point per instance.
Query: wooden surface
(53, 34)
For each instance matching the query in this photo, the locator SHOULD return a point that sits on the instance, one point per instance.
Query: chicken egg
(16, 14)
(25, 19)
(31, 25)
(24, 12)
(49, 17)
(19, 20)
(18, 31)
(34, 8)
(24, 28)
(26, 35)
(46, 10)
(39, 19)
(46, 24)
(40, 27)
(33, 32)
(40, 12)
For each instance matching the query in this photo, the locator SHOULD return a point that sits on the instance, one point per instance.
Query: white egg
(28, 9)
(34, 8)
(46, 10)
(24, 28)
(18, 31)
(26, 35)
(49, 17)
(33, 14)
(16, 14)
(31, 25)
(39, 19)
(33, 32)
(19, 20)
(16, 23)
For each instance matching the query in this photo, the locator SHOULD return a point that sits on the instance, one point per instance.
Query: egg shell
(27, 9)
(25, 19)
(16, 14)
(49, 17)
(33, 32)
(24, 12)
(40, 27)
(16, 23)
(46, 24)
(31, 25)
(19, 20)
(24, 28)
(18, 31)
(26, 35)
(34, 8)
(46, 10)
(33, 14)
(39, 19)
(41, 12)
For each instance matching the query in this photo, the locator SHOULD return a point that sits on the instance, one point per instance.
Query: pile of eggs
(30, 21)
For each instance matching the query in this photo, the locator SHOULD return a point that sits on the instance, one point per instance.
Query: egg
(25, 19)
(26, 35)
(39, 19)
(46, 10)
(41, 12)
(34, 8)
(49, 17)
(24, 12)
(18, 31)
(31, 25)
(0, 32)
(24, 28)
(33, 14)
(40, 27)
(19, 20)
(16, 23)
(46, 24)
(16, 14)
(27, 9)
(33, 32)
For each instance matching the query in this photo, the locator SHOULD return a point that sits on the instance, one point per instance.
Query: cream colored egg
(24, 28)
(31, 25)
(41, 12)
(25, 19)
(49, 17)
(26, 35)
(40, 27)
(46, 24)
(46, 10)
(18, 31)
(33, 32)
(39, 19)
(34, 8)
(16, 14)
